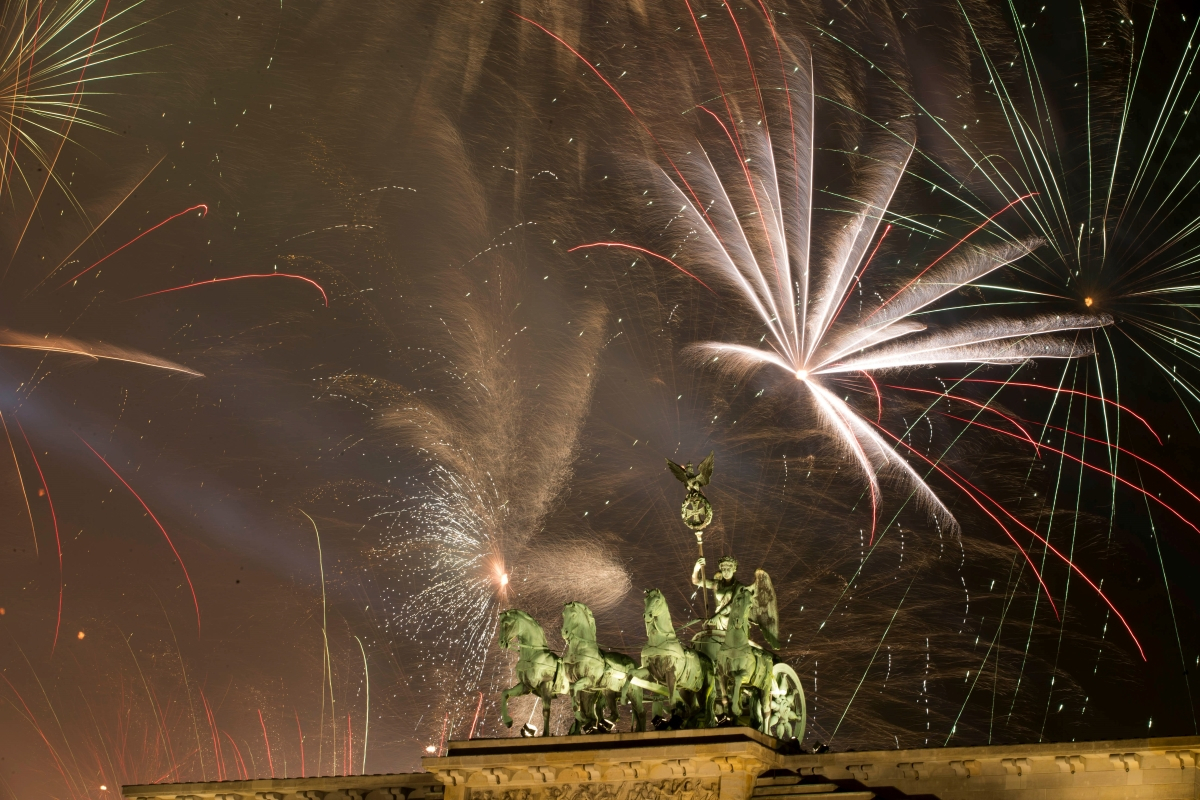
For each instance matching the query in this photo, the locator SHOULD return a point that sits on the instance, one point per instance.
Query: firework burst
(748, 227)
(479, 427)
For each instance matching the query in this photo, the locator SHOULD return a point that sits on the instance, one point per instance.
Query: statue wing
(766, 610)
(679, 471)
(704, 473)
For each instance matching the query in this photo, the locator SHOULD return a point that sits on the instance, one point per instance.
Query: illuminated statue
(724, 676)
(697, 512)
(724, 585)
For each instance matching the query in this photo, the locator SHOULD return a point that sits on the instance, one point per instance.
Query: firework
(480, 437)
(466, 449)
(45, 55)
(749, 229)
(1091, 139)
(732, 209)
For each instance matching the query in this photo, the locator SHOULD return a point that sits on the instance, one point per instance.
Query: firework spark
(749, 228)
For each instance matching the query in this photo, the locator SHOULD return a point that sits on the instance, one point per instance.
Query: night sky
(417, 404)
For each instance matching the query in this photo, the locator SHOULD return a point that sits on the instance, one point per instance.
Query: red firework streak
(146, 232)
(1117, 405)
(237, 757)
(735, 144)
(58, 762)
(878, 396)
(753, 192)
(1064, 558)
(977, 404)
(738, 147)
(267, 742)
(57, 540)
(962, 483)
(475, 721)
(166, 536)
(1101, 470)
(1127, 452)
(984, 508)
(211, 281)
(641, 250)
(216, 737)
(625, 103)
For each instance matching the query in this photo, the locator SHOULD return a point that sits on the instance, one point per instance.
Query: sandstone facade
(739, 764)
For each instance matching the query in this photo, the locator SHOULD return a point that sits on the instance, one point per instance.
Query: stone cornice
(415, 785)
(1160, 767)
(724, 763)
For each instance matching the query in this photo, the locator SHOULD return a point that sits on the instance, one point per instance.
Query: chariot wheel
(787, 712)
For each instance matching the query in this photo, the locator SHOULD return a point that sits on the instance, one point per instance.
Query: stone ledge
(1155, 769)
(414, 785)
(724, 764)
(716, 764)
(607, 741)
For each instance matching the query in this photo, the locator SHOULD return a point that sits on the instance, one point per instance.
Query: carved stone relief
(678, 789)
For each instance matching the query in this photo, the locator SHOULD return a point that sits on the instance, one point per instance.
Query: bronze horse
(687, 674)
(539, 670)
(595, 676)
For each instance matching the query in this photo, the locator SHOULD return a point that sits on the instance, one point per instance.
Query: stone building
(738, 764)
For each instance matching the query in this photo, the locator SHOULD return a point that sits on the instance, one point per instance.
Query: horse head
(578, 622)
(506, 633)
(657, 616)
(517, 628)
(739, 609)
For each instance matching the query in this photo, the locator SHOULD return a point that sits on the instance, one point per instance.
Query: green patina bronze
(597, 677)
(723, 677)
(539, 670)
(687, 674)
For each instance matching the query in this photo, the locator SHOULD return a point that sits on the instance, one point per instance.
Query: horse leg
(735, 702)
(696, 706)
(639, 710)
(577, 706)
(547, 695)
(614, 708)
(685, 708)
(597, 710)
(721, 693)
(657, 707)
(515, 691)
(601, 711)
(673, 690)
(609, 700)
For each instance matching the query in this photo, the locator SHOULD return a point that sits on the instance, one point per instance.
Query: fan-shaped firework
(465, 402)
(752, 233)
(1063, 115)
(46, 56)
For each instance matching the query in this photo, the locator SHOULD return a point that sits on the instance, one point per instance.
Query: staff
(696, 512)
